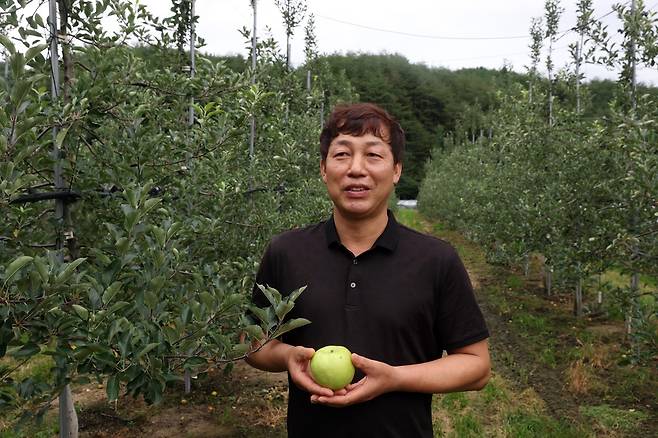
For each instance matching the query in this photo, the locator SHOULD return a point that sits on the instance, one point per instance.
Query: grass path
(553, 375)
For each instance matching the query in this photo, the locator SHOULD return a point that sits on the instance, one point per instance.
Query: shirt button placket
(352, 298)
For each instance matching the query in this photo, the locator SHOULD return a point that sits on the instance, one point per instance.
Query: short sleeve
(459, 320)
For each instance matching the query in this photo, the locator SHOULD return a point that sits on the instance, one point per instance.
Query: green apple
(331, 367)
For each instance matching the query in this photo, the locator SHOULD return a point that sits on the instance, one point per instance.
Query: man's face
(360, 174)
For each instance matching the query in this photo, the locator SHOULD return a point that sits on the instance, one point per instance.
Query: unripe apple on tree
(331, 367)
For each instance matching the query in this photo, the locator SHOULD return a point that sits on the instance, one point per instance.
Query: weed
(493, 392)
(455, 401)
(579, 377)
(532, 324)
(514, 282)
(522, 424)
(467, 426)
(609, 419)
(549, 357)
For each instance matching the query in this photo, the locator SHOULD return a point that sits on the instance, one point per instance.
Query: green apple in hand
(331, 367)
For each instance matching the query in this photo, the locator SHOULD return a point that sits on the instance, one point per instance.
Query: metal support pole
(187, 378)
(252, 138)
(68, 419)
(190, 118)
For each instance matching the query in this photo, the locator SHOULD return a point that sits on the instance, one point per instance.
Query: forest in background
(433, 103)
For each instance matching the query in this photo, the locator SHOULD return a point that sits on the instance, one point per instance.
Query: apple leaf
(295, 294)
(291, 325)
(16, 265)
(272, 295)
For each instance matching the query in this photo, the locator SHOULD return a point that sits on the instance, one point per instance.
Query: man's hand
(379, 379)
(298, 364)
(465, 368)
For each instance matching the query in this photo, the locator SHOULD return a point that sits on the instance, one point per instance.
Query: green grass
(467, 426)
(610, 419)
(409, 218)
(523, 424)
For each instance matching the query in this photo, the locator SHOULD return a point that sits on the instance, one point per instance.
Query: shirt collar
(387, 240)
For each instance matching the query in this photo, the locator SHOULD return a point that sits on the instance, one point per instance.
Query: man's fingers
(308, 385)
(353, 386)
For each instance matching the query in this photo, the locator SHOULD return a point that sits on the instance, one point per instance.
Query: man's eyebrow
(345, 142)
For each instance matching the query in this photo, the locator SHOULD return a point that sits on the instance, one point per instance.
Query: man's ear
(397, 168)
(323, 170)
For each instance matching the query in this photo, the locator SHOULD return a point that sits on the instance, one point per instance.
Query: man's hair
(360, 119)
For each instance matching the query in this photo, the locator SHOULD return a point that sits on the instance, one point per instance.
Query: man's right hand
(299, 368)
(277, 356)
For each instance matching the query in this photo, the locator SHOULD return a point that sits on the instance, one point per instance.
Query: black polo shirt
(404, 301)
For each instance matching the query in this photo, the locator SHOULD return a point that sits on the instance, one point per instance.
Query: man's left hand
(379, 378)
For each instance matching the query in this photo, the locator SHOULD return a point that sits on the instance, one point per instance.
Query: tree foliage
(169, 220)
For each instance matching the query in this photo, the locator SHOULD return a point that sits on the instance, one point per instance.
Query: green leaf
(82, 312)
(272, 295)
(282, 309)
(111, 292)
(117, 306)
(159, 235)
(150, 204)
(194, 361)
(131, 197)
(146, 349)
(295, 294)
(261, 314)
(34, 51)
(68, 270)
(131, 219)
(255, 331)
(42, 269)
(291, 325)
(61, 135)
(112, 387)
(27, 350)
(207, 299)
(150, 299)
(6, 42)
(16, 265)
(240, 349)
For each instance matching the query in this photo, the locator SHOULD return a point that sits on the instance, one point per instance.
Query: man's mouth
(356, 189)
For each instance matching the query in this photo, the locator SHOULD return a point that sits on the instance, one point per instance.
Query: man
(396, 298)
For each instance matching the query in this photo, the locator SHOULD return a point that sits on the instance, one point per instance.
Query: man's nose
(357, 165)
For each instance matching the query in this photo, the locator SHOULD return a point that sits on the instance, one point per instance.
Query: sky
(451, 34)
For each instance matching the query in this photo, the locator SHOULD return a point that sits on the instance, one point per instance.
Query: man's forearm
(271, 357)
(459, 371)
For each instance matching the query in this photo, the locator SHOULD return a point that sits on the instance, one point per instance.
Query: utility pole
(68, 418)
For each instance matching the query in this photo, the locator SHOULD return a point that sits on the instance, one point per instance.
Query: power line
(417, 35)
(455, 38)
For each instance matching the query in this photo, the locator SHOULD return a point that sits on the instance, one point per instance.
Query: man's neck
(359, 235)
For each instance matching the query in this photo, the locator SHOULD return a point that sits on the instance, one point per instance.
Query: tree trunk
(68, 419)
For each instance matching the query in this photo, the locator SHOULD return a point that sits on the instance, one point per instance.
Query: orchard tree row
(135, 198)
(580, 192)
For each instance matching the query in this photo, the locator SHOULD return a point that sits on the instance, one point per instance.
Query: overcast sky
(348, 25)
